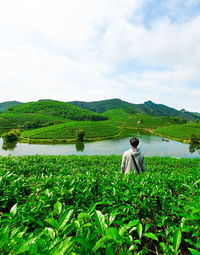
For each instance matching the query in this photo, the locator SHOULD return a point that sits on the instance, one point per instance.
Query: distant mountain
(148, 107)
(57, 108)
(5, 105)
(162, 110)
(105, 105)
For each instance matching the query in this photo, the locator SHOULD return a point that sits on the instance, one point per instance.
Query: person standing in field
(133, 159)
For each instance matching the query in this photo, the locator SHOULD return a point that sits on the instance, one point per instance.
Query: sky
(89, 50)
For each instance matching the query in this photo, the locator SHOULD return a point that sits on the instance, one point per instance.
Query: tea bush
(83, 205)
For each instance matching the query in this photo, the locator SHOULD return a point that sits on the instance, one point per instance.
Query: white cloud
(71, 50)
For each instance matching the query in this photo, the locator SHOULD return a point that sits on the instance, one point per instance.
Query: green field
(180, 131)
(69, 130)
(83, 205)
(121, 118)
(11, 120)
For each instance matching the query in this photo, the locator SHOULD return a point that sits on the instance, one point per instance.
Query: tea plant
(69, 130)
(83, 205)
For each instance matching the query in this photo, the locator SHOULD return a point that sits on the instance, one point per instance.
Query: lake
(150, 145)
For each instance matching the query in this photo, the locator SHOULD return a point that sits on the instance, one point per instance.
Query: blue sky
(135, 50)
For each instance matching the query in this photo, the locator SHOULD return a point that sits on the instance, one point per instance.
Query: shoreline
(94, 139)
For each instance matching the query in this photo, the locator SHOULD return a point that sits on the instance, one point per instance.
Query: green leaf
(64, 247)
(112, 234)
(33, 249)
(122, 230)
(50, 232)
(194, 252)
(147, 227)
(112, 216)
(52, 222)
(82, 241)
(151, 235)
(65, 219)
(132, 223)
(100, 220)
(139, 229)
(109, 251)
(177, 239)
(58, 208)
(99, 244)
(13, 210)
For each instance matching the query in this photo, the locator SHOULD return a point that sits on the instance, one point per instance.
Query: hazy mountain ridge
(5, 105)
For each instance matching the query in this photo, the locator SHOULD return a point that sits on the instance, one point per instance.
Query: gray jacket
(128, 163)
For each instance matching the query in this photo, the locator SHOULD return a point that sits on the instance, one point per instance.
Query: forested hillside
(162, 110)
(105, 105)
(148, 107)
(57, 108)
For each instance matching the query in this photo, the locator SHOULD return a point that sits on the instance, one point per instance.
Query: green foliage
(9, 109)
(57, 108)
(83, 205)
(5, 105)
(148, 107)
(105, 105)
(194, 139)
(27, 121)
(69, 130)
(180, 131)
(11, 136)
(121, 118)
(80, 135)
(162, 110)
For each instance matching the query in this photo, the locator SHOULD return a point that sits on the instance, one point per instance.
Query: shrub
(194, 139)
(80, 135)
(11, 136)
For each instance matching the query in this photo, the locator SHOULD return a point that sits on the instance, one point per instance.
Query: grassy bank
(83, 205)
(179, 132)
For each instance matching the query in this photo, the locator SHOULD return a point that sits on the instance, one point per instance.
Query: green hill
(120, 117)
(162, 110)
(57, 108)
(18, 120)
(148, 107)
(5, 105)
(69, 130)
(105, 105)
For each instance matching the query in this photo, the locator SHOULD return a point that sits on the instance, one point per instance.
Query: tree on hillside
(80, 135)
(9, 109)
(194, 139)
(11, 136)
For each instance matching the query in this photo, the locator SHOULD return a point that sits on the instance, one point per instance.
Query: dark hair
(134, 142)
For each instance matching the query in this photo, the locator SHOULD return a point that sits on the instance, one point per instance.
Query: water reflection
(80, 146)
(194, 147)
(150, 145)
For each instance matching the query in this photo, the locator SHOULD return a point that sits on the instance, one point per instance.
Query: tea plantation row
(83, 205)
